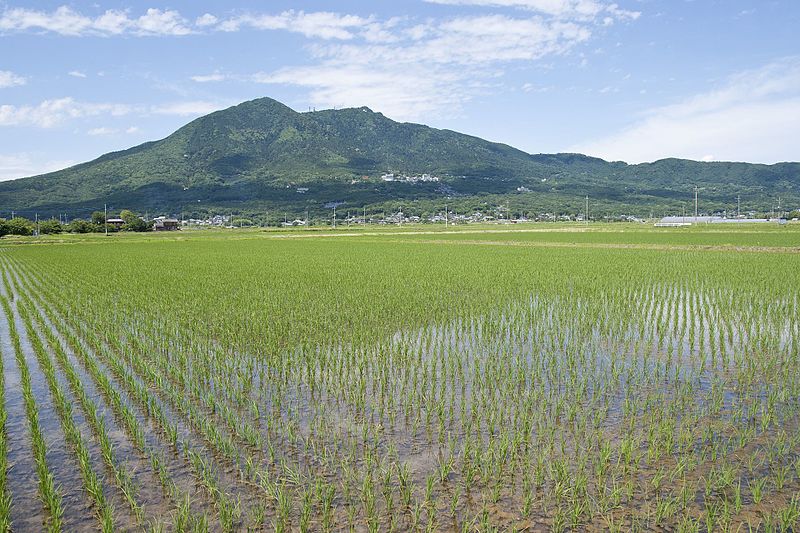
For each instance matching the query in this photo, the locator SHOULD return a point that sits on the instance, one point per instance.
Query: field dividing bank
(459, 240)
(748, 237)
(423, 382)
(754, 236)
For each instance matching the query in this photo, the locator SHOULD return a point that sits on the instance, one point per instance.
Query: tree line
(97, 223)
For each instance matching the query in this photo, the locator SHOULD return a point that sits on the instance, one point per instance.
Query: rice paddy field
(537, 378)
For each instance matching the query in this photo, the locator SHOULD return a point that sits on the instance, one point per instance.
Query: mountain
(261, 155)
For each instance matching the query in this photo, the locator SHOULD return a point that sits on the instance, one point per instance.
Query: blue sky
(635, 80)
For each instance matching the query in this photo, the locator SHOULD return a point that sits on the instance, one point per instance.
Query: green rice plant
(757, 487)
(789, 516)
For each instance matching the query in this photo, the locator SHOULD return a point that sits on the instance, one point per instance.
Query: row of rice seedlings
(91, 410)
(5, 496)
(130, 421)
(48, 491)
(109, 390)
(166, 379)
(92, 482)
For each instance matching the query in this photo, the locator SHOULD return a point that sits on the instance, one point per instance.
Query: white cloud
(102, 131)
(754, 116)
(206, 20)
(24, 164)
(50, 113)
(579, 9)
(322, 24)
(186, 108)
(9, 79)
(76, 74)
(205, 78)
(418, 92)
(158, 22)
(66, 21)
(427, 68)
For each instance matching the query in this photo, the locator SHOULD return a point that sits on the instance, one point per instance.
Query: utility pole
(445, 216)
(306, 217)
(334, 216)
(105, 217)
(738, 206)
(695, 203)
(587, 209)
(37, 224)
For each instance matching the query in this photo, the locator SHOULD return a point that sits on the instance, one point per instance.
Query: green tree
(50, 226)
(20, 226)
(133, 222)
(98, 217)
(78, 225)
(127, 215)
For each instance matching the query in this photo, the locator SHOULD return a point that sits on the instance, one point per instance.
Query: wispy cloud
(205, 78)
(408, 68)
(69, 22)
(52, 113)
(322, 24)
(77, 74)
(19, 165)
(9, 79)
(102, 131)
(105, 130)
(753, 116)
(434, 67)
(195, 108)
(206, 20)
(580, 9)
(66, 21)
